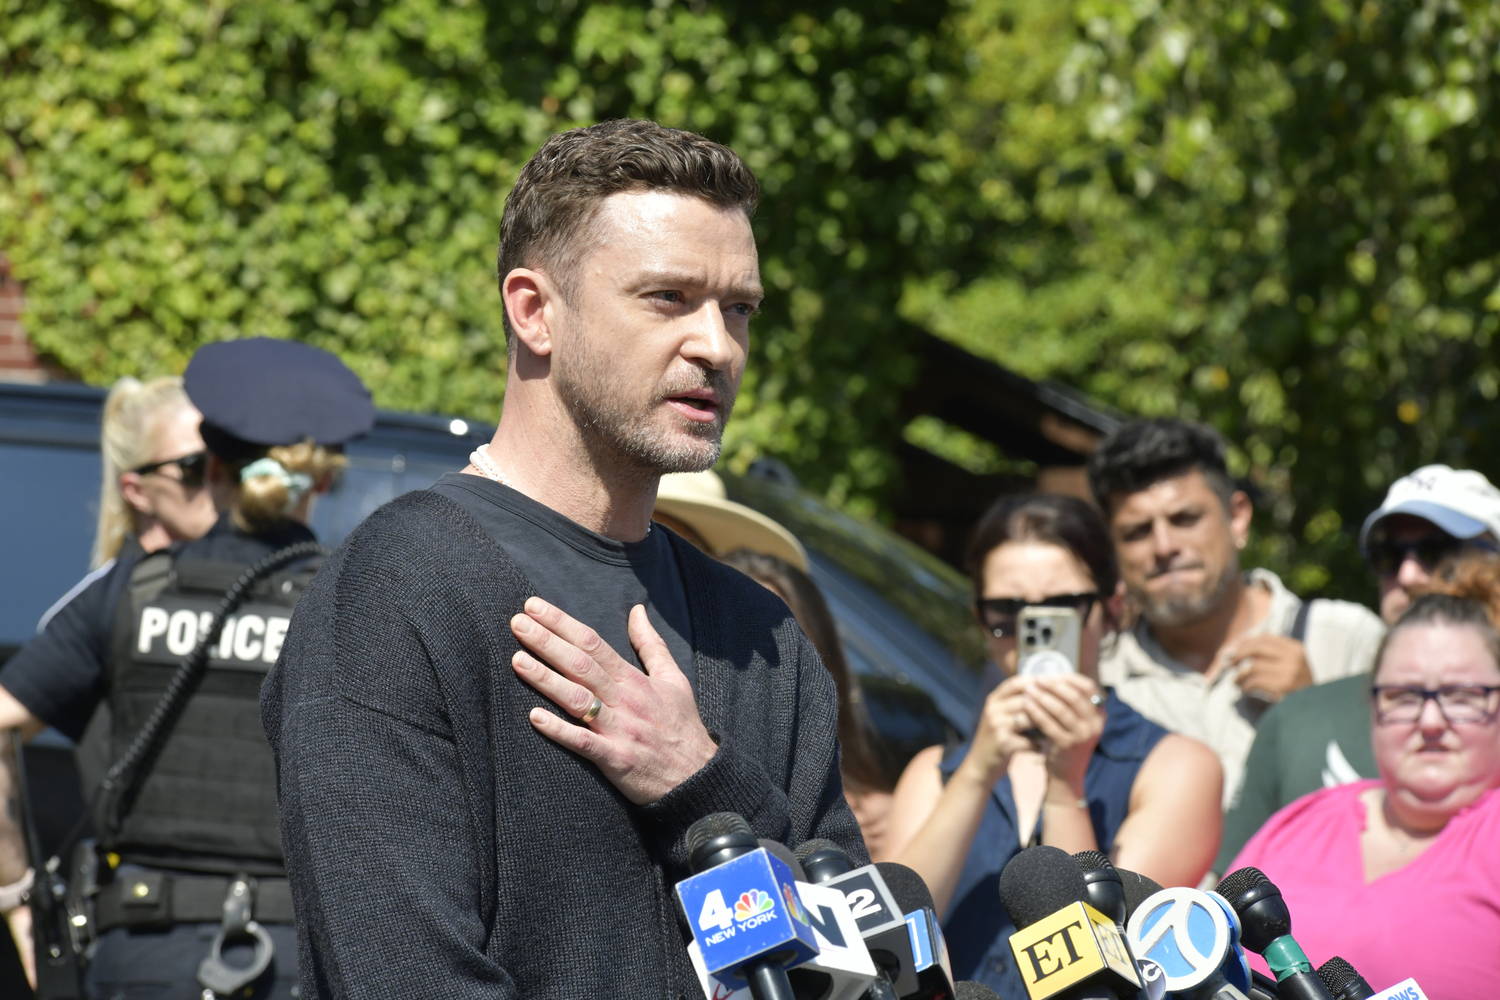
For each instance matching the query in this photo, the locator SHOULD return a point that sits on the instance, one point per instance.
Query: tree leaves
(180, 172)
(1278, 219)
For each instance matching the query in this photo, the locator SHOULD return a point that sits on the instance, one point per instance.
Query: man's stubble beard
(1176, 610)
(625, 435)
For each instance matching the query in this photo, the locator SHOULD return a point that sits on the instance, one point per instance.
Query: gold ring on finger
(593, 712)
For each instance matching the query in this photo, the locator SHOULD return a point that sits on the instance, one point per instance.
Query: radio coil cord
(124, 780)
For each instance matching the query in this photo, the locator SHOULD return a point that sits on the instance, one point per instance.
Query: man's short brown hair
(548, 220)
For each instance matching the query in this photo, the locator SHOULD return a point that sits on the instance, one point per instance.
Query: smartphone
(1047, 641)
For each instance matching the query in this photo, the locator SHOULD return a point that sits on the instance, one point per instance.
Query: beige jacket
(1341, 640)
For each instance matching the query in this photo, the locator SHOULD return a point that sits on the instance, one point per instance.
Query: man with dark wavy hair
(505, 698)
(1214, 646)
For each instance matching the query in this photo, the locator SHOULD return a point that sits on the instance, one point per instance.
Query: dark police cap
(265, 392)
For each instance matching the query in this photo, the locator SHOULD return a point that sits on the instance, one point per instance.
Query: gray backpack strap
(1299, 624)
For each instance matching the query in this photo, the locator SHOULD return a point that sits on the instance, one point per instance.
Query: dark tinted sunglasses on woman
(193, 468)
(999, 614)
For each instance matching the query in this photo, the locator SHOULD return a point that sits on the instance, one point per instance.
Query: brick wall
(18, 362)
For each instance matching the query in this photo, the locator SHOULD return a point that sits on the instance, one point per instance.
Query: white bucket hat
(1459, 501)
(698, 500)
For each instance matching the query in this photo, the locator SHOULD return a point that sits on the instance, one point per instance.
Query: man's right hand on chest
(645, 733)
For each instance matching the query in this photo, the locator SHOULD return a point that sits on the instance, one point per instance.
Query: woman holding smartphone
(1054, 760)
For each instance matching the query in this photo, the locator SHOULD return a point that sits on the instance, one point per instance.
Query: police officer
(191, 899)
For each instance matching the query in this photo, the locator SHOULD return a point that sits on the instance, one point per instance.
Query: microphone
(842, 969)
(1105, 886)
(1064, 947)
(966, 989)
(1102, 884)
(766, 932)
(929, 949)
(1138, 889)
(1268, 931)
(1343, 982)
(1194, 937)
(785, 855)
(880, 919)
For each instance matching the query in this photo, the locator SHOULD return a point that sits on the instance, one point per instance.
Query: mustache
(1172, 568)
(702, 378)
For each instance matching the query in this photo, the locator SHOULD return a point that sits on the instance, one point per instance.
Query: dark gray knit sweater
(438, 846)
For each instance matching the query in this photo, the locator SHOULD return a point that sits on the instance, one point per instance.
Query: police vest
(210, 799)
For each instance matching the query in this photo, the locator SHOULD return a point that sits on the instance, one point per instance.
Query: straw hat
(698, 501)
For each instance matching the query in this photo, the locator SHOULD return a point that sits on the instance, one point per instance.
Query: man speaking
(504, 699)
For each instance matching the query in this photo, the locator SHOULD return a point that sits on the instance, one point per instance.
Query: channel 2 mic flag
(1069, 946)
(744, 909)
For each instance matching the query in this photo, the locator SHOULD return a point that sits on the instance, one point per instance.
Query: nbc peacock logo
(792, 906)
(752, 904)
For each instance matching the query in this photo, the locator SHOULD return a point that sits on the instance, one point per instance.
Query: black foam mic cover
(779, 850)
(717, 838)
(966, 989)
(823, 859)
(1106, 893)
(1342, 981)
(906, 886)
(1263, 913)
(1138, 888)
(1038, 882)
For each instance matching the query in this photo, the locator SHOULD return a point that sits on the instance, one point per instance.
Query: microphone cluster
(773, 924)
(1080, 938)
(770, 923)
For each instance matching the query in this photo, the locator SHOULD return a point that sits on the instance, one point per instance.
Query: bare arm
(932, 824)
(1172, 832)
(13, 715)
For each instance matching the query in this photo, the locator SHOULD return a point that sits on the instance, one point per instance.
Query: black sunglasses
(194, 468)
(1385, 556)
(999, 614)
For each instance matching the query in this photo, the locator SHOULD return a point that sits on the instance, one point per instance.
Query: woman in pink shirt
(1401, 876)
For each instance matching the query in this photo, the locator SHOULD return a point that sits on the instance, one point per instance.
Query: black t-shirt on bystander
(595, 579)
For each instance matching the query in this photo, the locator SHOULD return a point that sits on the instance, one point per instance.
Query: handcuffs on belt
(223, 981)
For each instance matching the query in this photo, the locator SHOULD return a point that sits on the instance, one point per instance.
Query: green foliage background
(180, 172)
(1280, 218)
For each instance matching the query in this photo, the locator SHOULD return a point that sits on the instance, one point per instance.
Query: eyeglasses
(1397, 705)
(194, 468)
(999, 614)
(1386, 556)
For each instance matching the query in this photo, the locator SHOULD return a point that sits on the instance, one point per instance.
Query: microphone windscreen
(965, 989)
(1237, 883)
(1138, 888)
(1092, 861)
(906, 886)
(1040, 881)
(716, 825)
(779, 850)
(1338, 975)
(819, 845)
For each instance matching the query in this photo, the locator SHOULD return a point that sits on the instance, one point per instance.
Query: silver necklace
(487, 468)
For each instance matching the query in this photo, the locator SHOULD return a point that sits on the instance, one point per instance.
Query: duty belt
(156, 899)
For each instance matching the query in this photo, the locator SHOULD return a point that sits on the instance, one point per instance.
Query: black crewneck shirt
(595, 579)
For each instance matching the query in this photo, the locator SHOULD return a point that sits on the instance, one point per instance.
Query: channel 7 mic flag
(744, 909)
(1067, 947)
